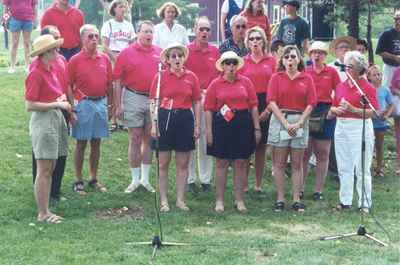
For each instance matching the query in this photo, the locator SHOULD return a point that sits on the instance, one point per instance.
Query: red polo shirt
(259, 20)
(22, 9)
(182, 90)
(60, 66)
(259, 73)
(350, 93)
(294, 94)
(237, 95)
(68, 23)
(136, 66)
(42, 85)
(325, 82)
(90, 76)
(202, 63)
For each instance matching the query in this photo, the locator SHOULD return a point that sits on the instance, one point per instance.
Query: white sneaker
(11, 70)
(132, 187)
(147, 186)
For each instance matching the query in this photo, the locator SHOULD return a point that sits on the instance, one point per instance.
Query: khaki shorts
(275, 129)
(49, 134)
(136, 110)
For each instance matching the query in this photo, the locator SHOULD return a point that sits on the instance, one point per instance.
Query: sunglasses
(240, 26)
(176, 55)
(292, 56)
(231, 62)
(204, 29)
(92, 36)
(255, 38)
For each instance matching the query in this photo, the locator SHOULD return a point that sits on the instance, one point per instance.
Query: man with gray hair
(90, 80)
(236, 41)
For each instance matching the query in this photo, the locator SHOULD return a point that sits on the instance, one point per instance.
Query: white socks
(135, 171)
(145, 171)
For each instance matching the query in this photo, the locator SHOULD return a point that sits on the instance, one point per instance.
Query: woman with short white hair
(348, 109)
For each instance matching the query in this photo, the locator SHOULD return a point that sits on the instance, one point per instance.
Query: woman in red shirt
(233, 128)
(45, 98)
(178, 127)
(256, 16)
(291, 97)
(258, 67)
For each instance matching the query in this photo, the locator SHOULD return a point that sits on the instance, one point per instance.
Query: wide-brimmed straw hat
(228, 55)
(348, 39)
(318, 46)
(175, 45)
(44, 43)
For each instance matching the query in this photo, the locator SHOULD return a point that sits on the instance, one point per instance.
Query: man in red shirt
(68, 20)
(200, 50)
(90, 79)
(133, 73)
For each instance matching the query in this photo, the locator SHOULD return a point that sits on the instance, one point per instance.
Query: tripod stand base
(361, 231)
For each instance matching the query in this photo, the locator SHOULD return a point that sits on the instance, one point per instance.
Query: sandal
(79, 187)
(299, 207)
(51, 219)
(164, 207)
(317, 196)
(240, 206)
(182, 206)
(379, 173)
(113, 127)
(279, 207)
(95, 184)
(219, 207)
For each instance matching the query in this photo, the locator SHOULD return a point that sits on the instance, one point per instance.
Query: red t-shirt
(60, 66)
(350, 93)
(90, 76)
(202, 63)
(22, 9)
(259, 73)
(237, 95)
(42, 85)
(259, 20)
(294, 94)
(180, 91)
(68, 23)
(325, 82)
(136, 66)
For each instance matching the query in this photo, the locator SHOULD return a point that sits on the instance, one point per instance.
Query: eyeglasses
(176, 55)
(204, 29)
(342, 47)
(255, 38)
(231, 62)
(243, 26)
(92, 36)
(292, 56)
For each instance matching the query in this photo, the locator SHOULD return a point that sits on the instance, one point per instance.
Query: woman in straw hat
(233, 128)
(338, 48)
(259, 67)
(325, 80)
(179, 91)
(291, 96)
(45, 98)
(169, 31)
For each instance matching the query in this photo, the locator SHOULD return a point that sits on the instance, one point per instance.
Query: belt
(94, 98)
(175, 111)
(142, 93)
(289, 112)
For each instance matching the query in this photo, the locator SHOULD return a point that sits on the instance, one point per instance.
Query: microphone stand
(158, 239)
(361, 231)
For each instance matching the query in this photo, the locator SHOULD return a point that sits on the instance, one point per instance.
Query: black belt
(291, 112)
(142, 93)
(94, 98)
(175, 111)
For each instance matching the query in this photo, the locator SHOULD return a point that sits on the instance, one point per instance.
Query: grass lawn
(96, 231)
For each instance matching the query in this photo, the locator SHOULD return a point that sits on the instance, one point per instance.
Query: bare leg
(79, 158)
(165, 158)
(14, 48)
(42, 187)
(279, 159)
(27, 46)
(182, 170)
(321, 150)
(307, 154)
(94, 157)
(240, 166)
(379, 139)
(221, 171)
(260, 164)
(135, 146)
(296, 158)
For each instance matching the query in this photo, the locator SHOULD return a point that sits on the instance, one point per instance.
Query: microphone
(342, 66)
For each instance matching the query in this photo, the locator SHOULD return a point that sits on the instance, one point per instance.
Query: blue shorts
(68, 53)
(16, 25)
(329, 124)
(92, 120)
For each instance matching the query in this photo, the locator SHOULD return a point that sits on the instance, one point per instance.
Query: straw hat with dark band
(44, 43)
(226, 56)
(175, 45)
(348, 39)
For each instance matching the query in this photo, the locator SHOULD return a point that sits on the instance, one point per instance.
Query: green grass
(259, 237)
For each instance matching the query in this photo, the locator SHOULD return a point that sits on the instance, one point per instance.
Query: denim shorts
(16, 25)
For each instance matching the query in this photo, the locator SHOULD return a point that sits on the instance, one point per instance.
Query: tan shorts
(136, 109)
(276, 130)
(49, 134)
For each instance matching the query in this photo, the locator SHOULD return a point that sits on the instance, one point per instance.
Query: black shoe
(192, 187)
(279, 207)
(317, 196)
(206, 187)
(298, 207)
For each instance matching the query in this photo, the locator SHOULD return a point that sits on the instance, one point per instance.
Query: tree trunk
(353, 26)
(369, 37)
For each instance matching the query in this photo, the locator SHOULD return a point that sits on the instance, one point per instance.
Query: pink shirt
(350, 93)
(136, 66)
(42, 85)
(395, 83)
(294, 94)
(202, 63)
(325, 82)
(259, 73)
(180, 91)
(90, 76)
(237, 95)
(60, 66)
(22, 9)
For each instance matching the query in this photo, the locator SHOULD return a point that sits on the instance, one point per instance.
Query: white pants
(205, 162)
(387, 74)
(348, 136)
